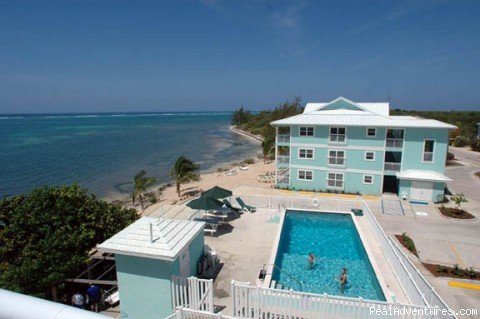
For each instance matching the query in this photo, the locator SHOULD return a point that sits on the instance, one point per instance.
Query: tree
(184, 171)
(48, 234)
(458, 199)
(141, 183)
(268, 145)
(240, 116)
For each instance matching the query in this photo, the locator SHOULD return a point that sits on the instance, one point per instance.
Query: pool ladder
(300, 283)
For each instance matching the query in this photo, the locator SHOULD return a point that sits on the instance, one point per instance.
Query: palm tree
(267, 146)
(141, 183)
(184, 171)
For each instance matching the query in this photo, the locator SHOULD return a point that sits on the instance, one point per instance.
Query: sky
(119, 56)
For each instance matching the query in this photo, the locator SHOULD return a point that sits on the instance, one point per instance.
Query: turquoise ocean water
(104, 151)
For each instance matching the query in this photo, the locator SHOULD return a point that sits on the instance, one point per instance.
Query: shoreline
(214, 173)
(253, 137)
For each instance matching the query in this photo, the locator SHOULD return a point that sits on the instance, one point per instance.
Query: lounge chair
(211, 224)
(227, 203)
(244, 206)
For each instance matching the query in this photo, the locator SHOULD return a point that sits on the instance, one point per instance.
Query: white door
(185, 263)
(422, 191)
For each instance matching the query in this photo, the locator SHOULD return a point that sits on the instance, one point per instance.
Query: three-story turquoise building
(348, 147)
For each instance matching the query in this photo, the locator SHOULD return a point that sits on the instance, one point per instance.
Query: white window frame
(368, 175)
(336, 158)
(306, 131)
(306, 149)
(336, 180)
(305, 173)
(365, 156)
(371, 128)
(433, 151)
(330, 135)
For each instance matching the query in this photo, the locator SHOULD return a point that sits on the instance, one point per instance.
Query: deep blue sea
(104, 151)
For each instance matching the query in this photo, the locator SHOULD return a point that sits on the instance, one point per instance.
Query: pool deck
(247, 245)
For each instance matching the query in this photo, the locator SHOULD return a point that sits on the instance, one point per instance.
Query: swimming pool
(335, 242)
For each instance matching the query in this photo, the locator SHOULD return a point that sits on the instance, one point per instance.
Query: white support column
(276, 151)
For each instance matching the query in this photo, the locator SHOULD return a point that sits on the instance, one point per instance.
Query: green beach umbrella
(205, 203)
(217, 193)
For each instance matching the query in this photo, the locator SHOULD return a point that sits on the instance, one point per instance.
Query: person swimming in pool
(311, 260)
(343, 277)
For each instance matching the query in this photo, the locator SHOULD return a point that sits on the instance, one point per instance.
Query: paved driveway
(446, 241)
(464, 178)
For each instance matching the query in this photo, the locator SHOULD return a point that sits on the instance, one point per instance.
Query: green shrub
(460, 141)
(248, 161)
(450, 156)
(475, 144)
(409, 244)
(456, 270)
(441, 269)
(152, 198)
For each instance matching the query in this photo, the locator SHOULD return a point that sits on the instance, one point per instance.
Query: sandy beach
(243, 175)
(248, 177)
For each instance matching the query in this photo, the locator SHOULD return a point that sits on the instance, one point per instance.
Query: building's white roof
(356, 118)
(420, 175)
(169, 237)
(380, 108)
(366, 114)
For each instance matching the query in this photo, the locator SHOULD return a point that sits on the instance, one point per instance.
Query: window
(335, 180)
(371, 132)
(337, 134)
(336, 158)
(306, 130)
(428, 147)
(368, 179)
(305, 175)
(369, 156)
(305, 153)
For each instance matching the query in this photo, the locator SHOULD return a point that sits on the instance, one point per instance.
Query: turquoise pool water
(334, 240)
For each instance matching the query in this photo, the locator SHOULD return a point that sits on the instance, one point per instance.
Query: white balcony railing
(393, 167)
(283, 138)
(283, 179)
(283, 159)
(394, 142)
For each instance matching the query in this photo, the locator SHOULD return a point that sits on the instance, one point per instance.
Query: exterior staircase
(392, 206)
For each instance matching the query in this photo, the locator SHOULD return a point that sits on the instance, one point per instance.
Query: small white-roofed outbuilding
(156, 238)
(148, 253)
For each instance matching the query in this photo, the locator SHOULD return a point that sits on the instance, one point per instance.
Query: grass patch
(407, 242)
(455, 213)
(452, 272)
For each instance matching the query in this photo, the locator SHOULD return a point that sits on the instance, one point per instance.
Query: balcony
(283, 179)
(395, 167)
(283, 138)
(283, 159)
(394, 142)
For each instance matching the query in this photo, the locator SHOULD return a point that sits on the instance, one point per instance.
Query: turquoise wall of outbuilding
(438, 193)
(144, 283)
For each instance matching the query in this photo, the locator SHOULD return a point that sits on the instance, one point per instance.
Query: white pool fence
(192, 293)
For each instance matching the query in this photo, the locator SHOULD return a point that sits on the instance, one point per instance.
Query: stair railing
(300, 283)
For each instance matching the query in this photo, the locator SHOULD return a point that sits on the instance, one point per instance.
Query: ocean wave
(10, 117)
(62, 116)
